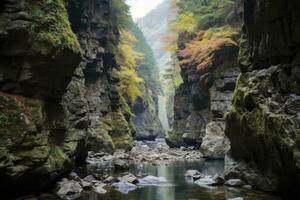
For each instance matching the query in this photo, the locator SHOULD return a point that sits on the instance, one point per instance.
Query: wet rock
(109, 179)
(219, 179)
(73, 176)
(206, 181)
(99, 189)
(69, 189)
(194, 174)
(124, 187)
(130, 178)
(249, 173)
(89, 178)
(121, 164)
(234, 183)
(152, 180)
(85, 184)
(248, 187)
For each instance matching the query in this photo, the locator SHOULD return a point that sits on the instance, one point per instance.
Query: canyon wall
(263, 124)
(205, 94)
(207, 54)
(57, 89)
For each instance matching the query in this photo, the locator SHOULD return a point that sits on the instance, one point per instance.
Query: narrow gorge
(149, 100)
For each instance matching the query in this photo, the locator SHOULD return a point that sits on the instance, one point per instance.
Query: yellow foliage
(200, 51)
(128, 60)
(186, 22)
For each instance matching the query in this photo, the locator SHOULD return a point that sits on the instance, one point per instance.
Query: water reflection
(177, 187)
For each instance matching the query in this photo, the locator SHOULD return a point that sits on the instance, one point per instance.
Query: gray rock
(237, 198)
(215, 144)
(130, 178)
(85, 184)
(206, 181)
(219, 179)
(194, 174)
(124, 187)
(109, 179)
(100, 190)
(234, 183)
(69, 189)
(73, 176)
(89, 178)
(152, 180)
(120, 164)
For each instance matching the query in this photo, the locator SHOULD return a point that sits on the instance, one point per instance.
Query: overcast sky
(139, 8)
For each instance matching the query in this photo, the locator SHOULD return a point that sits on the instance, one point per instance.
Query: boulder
(219, 179)
(69, 189)
(100, 190)
(152, 180)
(121, 164)
(130, 178)
(215, 144)
(206, 181)
(234, 183)
(124, 187)
(194, 174)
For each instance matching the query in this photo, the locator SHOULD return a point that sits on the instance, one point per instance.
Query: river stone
(130, 178)
(194, 174)
(219, 179)
(100, 190)
(89, 178)
(206, 181)
(152, 180)
(124, 187)
(86, 185)
(69, 189)
(109, 179)
(235, 183)
(73, 176)
(120, 164)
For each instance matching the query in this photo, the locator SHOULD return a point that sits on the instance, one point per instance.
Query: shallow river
(177, 188)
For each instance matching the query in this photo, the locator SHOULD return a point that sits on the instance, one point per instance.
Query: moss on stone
(51, 27)
(118, 129)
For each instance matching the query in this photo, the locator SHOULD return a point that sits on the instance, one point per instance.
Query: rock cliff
(263, 123)
(209, 72)
(146, 120)
(56, 89)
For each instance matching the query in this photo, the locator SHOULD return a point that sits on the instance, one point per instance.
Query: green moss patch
(51, 26)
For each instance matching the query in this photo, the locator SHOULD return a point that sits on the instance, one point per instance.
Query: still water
(177, 187)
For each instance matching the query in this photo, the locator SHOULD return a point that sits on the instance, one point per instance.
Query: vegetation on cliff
(51, 26)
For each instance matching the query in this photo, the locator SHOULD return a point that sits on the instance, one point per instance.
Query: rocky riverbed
(149, 152)
(150, 168)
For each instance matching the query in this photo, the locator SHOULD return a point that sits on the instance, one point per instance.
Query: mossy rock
(51, 27)
(262, 129)
(114, 132)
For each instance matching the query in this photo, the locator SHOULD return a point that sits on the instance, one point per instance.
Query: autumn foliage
(200, 51)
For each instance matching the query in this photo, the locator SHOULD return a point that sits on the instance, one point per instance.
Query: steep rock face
(263, 123)
(146, 121)
(204, 97)
(98, 37)
(55, 91)
(41, 137)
